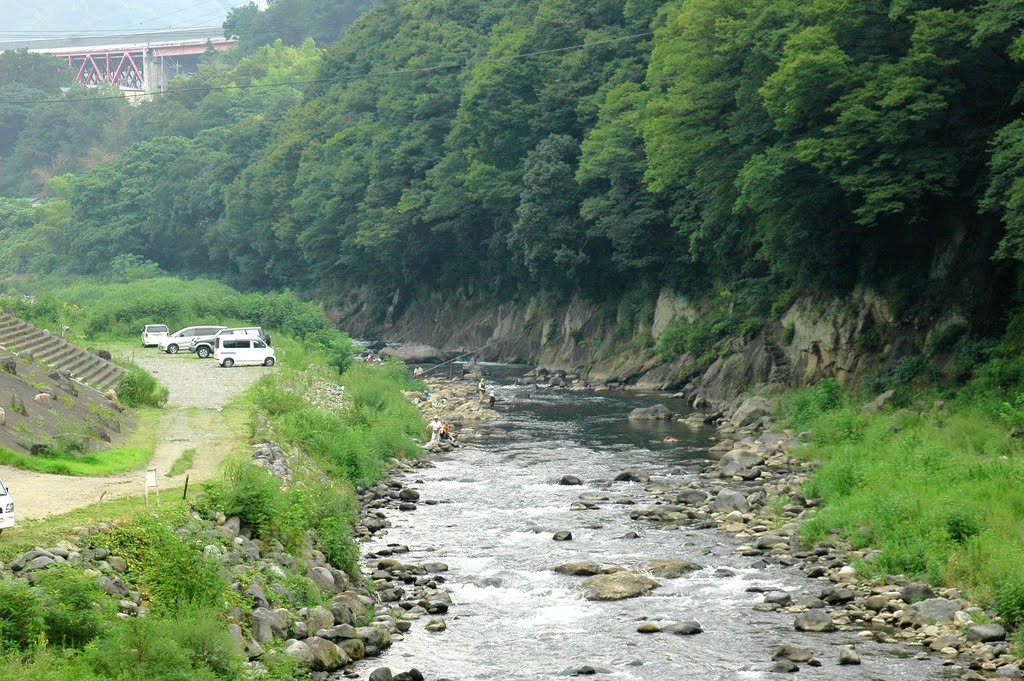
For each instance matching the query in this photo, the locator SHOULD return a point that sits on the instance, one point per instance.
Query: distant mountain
(18, 17)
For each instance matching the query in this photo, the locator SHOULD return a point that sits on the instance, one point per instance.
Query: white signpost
(151, 482)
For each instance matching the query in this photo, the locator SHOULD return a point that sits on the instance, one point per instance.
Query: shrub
(139, 388)
(172, 571)
(22, 618)
(144, 648)
(76, 610)
(802, 407)
(1009, 600)
(249, 492)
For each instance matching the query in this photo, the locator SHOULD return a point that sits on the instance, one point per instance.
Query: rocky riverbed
(751, 490)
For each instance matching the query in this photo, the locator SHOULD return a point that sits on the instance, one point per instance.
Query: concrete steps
(52, 350)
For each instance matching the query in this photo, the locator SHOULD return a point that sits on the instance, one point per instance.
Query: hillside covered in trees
(744, 150)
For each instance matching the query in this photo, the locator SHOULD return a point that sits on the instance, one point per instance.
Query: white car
(6, 508)
(229, 351)
(152, 334)
(181, 339)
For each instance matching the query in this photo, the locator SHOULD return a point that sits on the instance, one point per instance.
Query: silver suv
(202, 346)
(181, 339)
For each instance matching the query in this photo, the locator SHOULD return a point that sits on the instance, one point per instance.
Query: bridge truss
(123, 68)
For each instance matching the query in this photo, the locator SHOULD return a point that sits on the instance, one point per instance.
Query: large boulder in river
(752, 410)
(587, 568)
(814, 620)
(731, 500)
(673, 569)
(414, 353)
(617, 586)
(658, 412)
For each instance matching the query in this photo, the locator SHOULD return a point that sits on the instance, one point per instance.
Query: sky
(53, 18)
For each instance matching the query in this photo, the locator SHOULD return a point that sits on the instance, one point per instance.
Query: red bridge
(140, 63)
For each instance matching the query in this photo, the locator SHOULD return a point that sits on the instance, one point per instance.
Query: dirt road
(194, 419)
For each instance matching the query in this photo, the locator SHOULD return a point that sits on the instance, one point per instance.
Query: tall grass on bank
(352, 445)
(937, 490)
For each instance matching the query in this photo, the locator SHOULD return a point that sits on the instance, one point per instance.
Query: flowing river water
(514, 618)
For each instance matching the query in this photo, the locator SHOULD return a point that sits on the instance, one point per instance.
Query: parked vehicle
(181, 339)
(152, 334)
(6, 507)
(229, 351)
(203, 345)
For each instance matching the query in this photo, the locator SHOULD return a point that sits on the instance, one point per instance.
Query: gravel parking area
(195, 382)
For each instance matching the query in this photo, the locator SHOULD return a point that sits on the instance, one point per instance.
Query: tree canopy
(563, 145)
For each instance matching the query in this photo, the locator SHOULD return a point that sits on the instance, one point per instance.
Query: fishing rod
(458, 357)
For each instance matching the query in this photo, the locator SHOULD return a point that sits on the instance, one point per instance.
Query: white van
(181, 339)
(6, 508)
(228, 351)
(152, 334)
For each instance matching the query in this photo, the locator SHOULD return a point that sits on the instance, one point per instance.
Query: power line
(352, 77)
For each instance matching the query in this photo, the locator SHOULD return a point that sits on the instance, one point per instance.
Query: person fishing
(435, 431)
(481, 390)
(491, 397)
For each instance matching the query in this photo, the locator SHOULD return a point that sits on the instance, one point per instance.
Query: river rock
(631, 476)
(752, 410)
(617, 586)
(986, 633)
(673, 569)
(381, 674)
(437, 624)
(785, 667)
(692, 497)
(780, 598)
(731, 500)
(414, 353)
(322, 577)
(299, 650)
(570, 480)
(689, 628)
(740, 458)
(586, 568)
(326, 656)
(563, 535)
(1009, 671)
(814, 620)
(848, 656)
(658, 412)
(792, 653)
(918, 591)
(648, 628)
(935, 610)
(318, 618)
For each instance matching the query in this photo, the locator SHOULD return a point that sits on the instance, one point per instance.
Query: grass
(182, 463)
(133, 453)
(28, 534)
(938, 492)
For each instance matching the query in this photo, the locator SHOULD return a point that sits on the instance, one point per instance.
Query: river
(514, 618)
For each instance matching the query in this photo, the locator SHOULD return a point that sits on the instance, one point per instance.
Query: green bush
(172, 570)
(147, 648)
(1009, 600)
(138, 388)
(802, 407)
(22, 616)
(249, 492)
(76, 609)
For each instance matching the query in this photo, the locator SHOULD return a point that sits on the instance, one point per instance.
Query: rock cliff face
(816, 338)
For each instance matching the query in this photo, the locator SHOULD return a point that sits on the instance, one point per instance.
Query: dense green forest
(751, 149)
